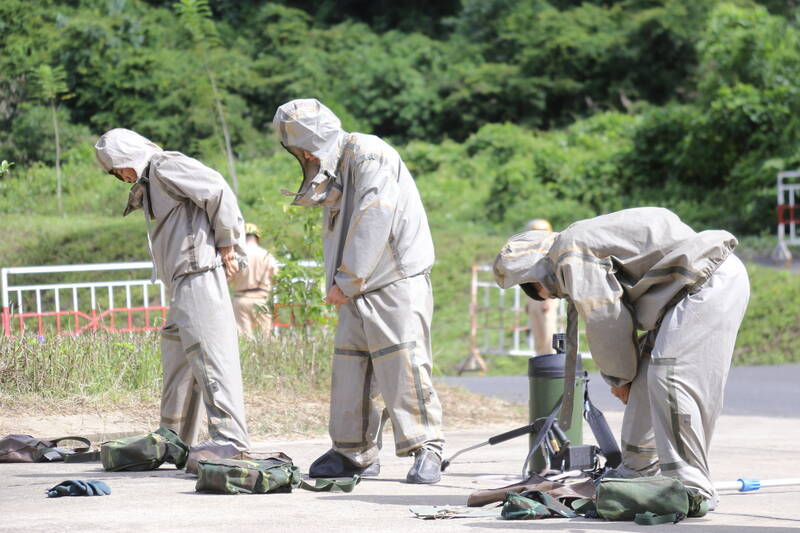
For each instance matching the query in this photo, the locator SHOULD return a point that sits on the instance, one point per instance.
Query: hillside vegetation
(504, 110)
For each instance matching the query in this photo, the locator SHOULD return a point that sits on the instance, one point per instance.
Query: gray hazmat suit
(645, 270)
(190, 212)
(379, 251)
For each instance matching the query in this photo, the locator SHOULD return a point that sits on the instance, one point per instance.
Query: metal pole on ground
(746, 484)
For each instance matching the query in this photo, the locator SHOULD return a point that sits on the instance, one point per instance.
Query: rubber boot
(334, 464)
(427, 468)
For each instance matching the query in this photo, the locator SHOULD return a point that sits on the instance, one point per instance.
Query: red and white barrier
(71, 308)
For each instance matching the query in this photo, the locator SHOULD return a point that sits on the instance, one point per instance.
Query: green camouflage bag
(645, 500)
(144, 452)
(260, 476)
(532, 505)
(234, 476)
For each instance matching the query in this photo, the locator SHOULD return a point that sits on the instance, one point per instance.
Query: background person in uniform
(542, 315)
(378, 255)
(253, 287)
(195, 233)
(645, 270)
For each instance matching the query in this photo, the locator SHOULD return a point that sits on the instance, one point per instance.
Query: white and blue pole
(748, 484)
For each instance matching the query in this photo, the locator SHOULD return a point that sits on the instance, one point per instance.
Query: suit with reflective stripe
(195, 213)
(190, 213)
(378, 250)
(643, 269)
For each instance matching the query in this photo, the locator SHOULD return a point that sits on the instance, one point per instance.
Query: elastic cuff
(224, 237)
(345, 285)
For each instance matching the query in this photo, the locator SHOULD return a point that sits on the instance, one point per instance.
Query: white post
(4, 280)
(780, 203)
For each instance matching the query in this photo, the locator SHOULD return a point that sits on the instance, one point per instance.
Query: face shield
(318, 188)
(530, 290)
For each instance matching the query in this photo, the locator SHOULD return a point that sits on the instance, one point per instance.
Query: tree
(196, 18)
(51, 87)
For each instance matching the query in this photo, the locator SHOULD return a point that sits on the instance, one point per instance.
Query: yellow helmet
(252, 229)
(539, 224)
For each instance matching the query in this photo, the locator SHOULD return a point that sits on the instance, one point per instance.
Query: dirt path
(269, 417)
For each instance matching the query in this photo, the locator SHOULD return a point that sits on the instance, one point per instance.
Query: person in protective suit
(195, 234)
(253, 286)
(542, 314)
(378, 254)
(645, 270)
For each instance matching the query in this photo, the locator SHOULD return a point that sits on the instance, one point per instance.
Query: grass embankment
(286, 379)
(766, 337)
(92, 231)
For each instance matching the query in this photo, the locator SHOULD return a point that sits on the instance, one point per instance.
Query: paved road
(165, 499)
(751, 390)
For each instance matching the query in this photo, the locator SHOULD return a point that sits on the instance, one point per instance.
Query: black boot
(427, 467)
(334, 464)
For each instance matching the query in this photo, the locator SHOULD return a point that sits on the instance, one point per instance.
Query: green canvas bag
(532, 505)
(645, 500)
(260, 476)
(144, 452)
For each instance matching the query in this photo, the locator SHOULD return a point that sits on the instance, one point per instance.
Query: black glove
(74, 487)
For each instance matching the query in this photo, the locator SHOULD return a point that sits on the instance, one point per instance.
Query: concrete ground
(165, 499)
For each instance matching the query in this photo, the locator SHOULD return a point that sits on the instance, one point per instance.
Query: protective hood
(121, 148)
(523, 259)
(308, 125)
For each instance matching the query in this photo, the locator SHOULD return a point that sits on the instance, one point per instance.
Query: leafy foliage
(49, 82)
(504, 110)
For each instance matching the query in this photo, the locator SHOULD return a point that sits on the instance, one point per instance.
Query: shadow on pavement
(401, 499)
(578, 524)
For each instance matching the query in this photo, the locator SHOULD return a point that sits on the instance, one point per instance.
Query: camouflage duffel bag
(144, 452)
(260, 476)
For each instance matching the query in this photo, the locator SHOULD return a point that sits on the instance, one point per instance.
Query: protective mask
(135, 198)
(318, 189)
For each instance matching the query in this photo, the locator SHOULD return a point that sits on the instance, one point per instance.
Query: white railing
(71, 308)
(74, 307)
(787, 187)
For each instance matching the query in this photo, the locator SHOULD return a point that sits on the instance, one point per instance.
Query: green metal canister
(546, 386)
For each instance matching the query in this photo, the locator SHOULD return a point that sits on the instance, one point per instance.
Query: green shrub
(771, 326)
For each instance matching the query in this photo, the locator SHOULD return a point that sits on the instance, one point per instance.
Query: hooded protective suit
(190, 212)
(378, 250)
(644, 269)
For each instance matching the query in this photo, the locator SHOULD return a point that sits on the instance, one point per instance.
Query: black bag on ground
(29, 449)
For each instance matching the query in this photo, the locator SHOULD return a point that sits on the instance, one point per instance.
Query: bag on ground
(144, 452)
(28, 449)
(532, 505)
(276, 473)
(645, 500)
(234, 476)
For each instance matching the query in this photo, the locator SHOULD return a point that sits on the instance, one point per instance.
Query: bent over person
(645, 270)
(378, 255)
(195, 232)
